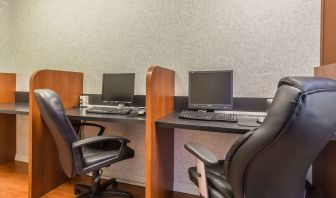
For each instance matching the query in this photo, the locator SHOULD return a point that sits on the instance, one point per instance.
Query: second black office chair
(82, 156)
(273, 160)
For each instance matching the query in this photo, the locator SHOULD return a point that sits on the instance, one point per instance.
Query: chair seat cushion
(106, 151)
(218, 184)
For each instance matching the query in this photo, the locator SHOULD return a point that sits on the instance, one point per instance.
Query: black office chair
(272, 161)
(82, 156)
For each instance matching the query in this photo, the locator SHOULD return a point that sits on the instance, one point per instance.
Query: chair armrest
(101, 130)
(98, 139)
(201, 153)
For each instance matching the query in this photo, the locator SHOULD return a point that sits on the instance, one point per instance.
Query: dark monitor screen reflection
(211, 90)
(118, 88)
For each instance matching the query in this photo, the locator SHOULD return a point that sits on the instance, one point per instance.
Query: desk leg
(7, 137)
(161, 172)
(324, 170)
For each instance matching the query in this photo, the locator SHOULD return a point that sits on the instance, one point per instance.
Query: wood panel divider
(45, 171)
(324, 171)
(160, 91)
(7, 122)
(328, 32)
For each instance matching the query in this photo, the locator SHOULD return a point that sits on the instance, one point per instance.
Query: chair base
(103, 191)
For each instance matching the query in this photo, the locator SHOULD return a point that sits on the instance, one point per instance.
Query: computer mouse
(142, 112)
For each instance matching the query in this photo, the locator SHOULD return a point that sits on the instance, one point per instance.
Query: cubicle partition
(7, 121)
(324, 171)
(328, 32)
(45, 172)
(160, 91)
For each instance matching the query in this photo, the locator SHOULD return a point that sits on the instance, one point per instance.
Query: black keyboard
(109, 110)
(210, 116)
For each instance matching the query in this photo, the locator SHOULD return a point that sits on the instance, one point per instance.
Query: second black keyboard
(209, 116)
(109, 110)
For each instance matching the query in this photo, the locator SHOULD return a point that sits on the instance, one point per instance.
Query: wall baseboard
(186, 188)
(21, 158)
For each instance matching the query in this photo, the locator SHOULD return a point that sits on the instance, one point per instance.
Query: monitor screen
(211, 90)
(118, 88)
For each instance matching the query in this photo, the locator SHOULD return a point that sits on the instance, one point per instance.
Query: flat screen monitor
(118, 88)
(211, 90)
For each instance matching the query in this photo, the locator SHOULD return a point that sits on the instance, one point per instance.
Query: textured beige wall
(22, 138)
(5, 37)
(261, 40)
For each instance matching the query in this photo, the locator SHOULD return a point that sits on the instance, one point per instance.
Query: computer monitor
(118, 88)
(211, 90)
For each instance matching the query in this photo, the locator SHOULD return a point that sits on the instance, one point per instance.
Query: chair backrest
(53, 115)
(274, 160)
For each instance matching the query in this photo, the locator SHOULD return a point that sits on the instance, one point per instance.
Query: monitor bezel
(118, 102)
(210, 106)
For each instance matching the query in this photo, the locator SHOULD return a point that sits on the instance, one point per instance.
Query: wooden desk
(15, 108)
(324, 172)
(165, 127)
(80, 114)
(73, 114)
(160, 124)
(7, 122)
(172, 120)
(45, 172)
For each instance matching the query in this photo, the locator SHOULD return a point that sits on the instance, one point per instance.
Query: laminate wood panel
(7, 122)
(160, 90)
(328, 32)
(7, 137)
(7, 87)
(327, 71)
(14, 108)
(324, 172)
(45, 172)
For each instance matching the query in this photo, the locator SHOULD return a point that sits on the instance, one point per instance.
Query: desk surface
(15, 108)
(73, 114)
(170, 121)
(80, 114)
(173, 121)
